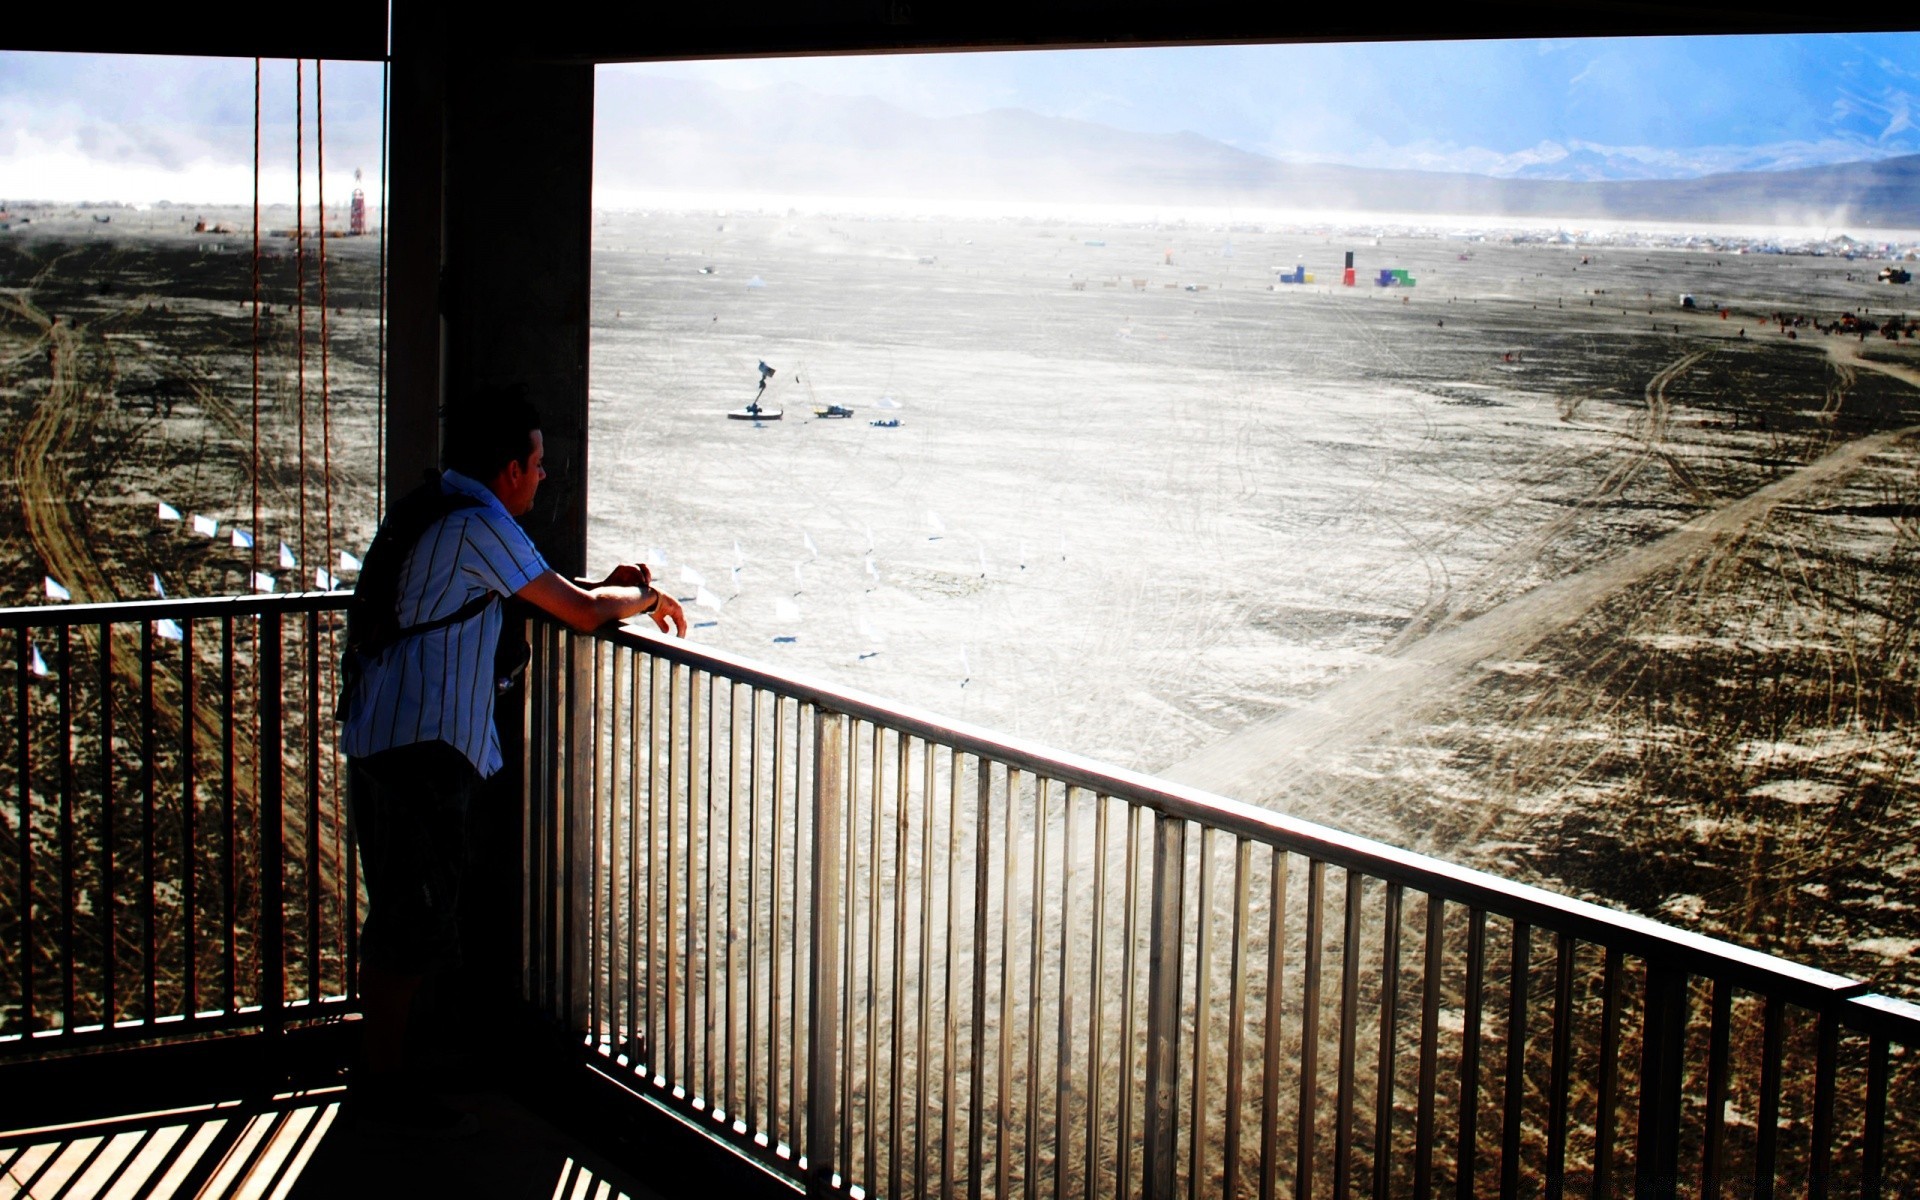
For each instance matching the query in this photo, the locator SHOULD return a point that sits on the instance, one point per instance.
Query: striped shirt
(439, 685)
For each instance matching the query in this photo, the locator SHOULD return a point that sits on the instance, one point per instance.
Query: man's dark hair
(490, 428)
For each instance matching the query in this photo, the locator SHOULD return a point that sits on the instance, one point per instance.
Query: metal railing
(889, 955)
(174, 851)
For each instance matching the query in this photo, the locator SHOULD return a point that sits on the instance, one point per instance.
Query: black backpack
(373, 625)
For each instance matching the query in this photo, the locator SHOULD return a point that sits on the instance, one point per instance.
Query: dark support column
(415, 219)
(519, 186)
(1662, 1071)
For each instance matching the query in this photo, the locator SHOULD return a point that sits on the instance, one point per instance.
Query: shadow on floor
(302, 1146)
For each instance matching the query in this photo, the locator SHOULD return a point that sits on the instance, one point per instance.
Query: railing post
(272, 947)
(578, 825)
(1163, 1007)
(823, 997)
(1663, 1050)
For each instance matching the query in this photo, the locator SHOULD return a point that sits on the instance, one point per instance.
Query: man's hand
(627, 575)
(669, 611)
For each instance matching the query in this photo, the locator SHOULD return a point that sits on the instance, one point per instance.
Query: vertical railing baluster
(109, 931)
(189, 832)
(796, 991)
(660, 891)
(1767, 1143)
(731, 1101)
(1713, 1153)
(923, 1074)
(955, 773)
(1270, 1036)
(1198, 1138)
(1389, 1028)
(1164, 969)
(1825, 1084)
(23, 781)
(1662, 1050)
(615, 722)
(896, 1113)
(1236, 1020)
(750, 1061)
(1609, 1084)
(1465, 1156)
(311, 834)
(1519, 984)
(870, 873)
(149, 857)
(1307, 1124)
(1349, 1022)
(594, 904)
(1063, 1035)
(776, 856)
(671, 964)
(230, 832)
(708, 973)
(824, 954)
(1010, 846)
(1560, 1083)
(978, 1076)
(640, 878)
(1423, 1133)
(582, 756)
(1129, 969)
(1037, 902)
(1096, 1002)
(1873, 1151)
(69, 837)
(272, 942)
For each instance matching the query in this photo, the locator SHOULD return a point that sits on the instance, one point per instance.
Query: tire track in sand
(1263, 762)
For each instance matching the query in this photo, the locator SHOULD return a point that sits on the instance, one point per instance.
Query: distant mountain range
(659, 134)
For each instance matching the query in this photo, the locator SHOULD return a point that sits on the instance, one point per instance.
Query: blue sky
(143, 128)
(1681, 104)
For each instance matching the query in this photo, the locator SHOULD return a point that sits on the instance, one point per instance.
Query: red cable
(326, 413)
(300, 276)
(253, 559)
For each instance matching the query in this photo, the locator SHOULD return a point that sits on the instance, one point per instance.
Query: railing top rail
(45, 616)
(1632, 934)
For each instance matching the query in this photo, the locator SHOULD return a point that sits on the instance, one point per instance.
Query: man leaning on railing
(416, 708)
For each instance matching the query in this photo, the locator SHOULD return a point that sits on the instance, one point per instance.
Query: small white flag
(799, 580)
(348, 562)
(869, 539)
(873, 570)
(785, 609)
(324, 581)
(689, 575)
(934, 523)
(983, 561)
(241, 539)
(966, 668)
(168, 512)
(734, 572)
(262, 582)
(867, 630)
(55, 591)
(706, 599)
(37, 664)
(739, 559)
(287, 561)
(657, 558)
(158, 589)
(169, 629)
(205, 526)
(807, 538)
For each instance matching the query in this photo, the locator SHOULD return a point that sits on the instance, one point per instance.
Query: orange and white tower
(357, 213)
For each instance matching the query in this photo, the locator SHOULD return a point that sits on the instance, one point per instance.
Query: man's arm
(587, 609)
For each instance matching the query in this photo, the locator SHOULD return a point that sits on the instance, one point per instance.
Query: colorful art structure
(1297, 275)
(1394, 278)
(1347, 278)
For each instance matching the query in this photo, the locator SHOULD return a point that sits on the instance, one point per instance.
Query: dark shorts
(410, 819)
